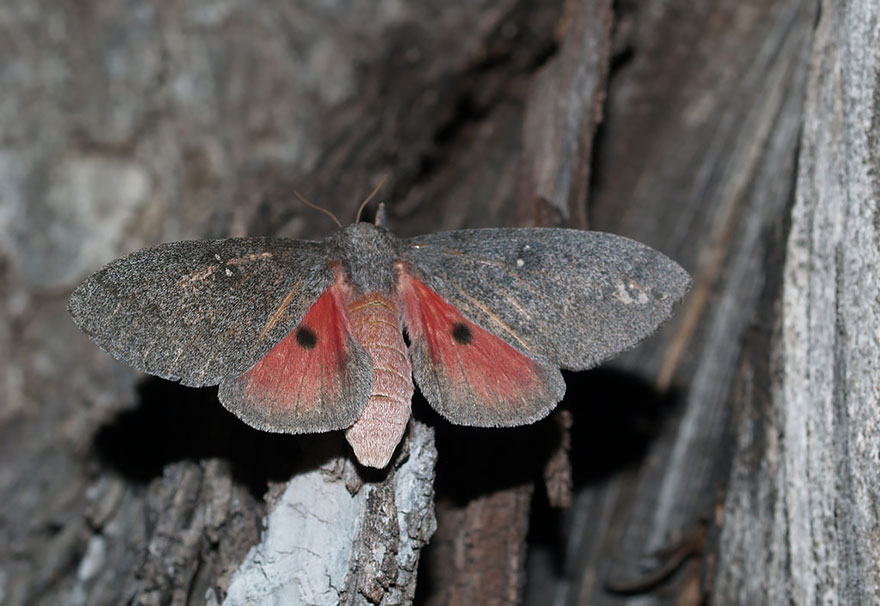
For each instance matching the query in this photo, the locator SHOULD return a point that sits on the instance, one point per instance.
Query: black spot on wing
(306, 337)
(462, 334)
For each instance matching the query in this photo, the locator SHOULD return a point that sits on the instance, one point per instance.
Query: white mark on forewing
(622, 295)
(630, 293)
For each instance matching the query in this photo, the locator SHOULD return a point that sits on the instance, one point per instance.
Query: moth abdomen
(375, 324)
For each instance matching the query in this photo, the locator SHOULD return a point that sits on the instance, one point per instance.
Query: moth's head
(367, 253)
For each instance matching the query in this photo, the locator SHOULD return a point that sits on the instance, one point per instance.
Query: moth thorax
(375, 324)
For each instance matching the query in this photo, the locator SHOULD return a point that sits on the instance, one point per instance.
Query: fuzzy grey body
(367, 254)
(205, 312)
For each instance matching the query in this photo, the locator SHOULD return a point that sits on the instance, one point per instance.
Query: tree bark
(696, 157)
(729, 459)
(331, 539)
(803, 490)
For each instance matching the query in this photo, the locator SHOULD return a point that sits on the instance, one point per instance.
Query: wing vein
(495, 318)
(275, 316)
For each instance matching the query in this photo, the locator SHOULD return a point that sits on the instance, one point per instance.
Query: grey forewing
(572, 297)
(200, 311)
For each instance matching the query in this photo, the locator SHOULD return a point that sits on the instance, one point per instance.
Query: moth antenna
(370, 197)
(316, 207)
(381, 217)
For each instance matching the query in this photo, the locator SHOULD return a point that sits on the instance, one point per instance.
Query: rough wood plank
(804, 488)
(563, 111)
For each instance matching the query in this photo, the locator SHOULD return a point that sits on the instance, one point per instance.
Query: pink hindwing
(468, 374)
(315, 379)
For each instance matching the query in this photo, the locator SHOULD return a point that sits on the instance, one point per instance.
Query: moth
(305, 336)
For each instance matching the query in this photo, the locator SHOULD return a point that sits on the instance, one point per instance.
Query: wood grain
(696, 157)
(803, 488)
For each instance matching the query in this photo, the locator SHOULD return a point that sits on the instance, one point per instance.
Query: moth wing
(564, 298)
(200, 311)
(469, 375)
(572, 297)
(317, 378)
(227, 311)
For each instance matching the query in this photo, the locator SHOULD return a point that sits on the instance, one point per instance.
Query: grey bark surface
(740, 442)
(697, 157)
(803, 488)
(327, 543)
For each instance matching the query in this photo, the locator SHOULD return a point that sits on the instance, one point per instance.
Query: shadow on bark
(173, 423)
(617, 415)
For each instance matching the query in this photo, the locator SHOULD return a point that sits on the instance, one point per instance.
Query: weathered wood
(463, 566)
(326, 542)
(696, 158)
(800, 519)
